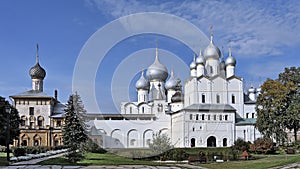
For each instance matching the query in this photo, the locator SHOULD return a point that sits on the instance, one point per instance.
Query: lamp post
(7, 110)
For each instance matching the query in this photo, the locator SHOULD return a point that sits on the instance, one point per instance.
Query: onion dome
(200, 59)
(37, 72)
(172, 82)
(212, 51)
(142, 83)
(157, 71)
(251, 90)
(193, 64)
(230, 59)
(177, 97)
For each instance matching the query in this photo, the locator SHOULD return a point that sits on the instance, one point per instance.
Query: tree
(271, 110)
(12, 118)
(241, 145)
(74, 129)
(262, 145)
(291, 79)
(160, 143)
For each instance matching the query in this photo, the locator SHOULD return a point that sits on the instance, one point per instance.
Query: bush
(241, 145)
(20, 151)
(263, 145)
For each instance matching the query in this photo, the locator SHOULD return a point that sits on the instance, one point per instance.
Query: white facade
(213, 111)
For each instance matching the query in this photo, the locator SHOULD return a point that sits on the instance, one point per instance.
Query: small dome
(171, 83)
(177, 97)
(251, 90)
(200, 59)
(157, 71)
(37, 72)
(193, 64)
(142, 83)
(212, 51)
(230, 59)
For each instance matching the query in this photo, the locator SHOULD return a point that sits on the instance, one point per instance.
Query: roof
(119, 116)
(94, 131)
(243, 122)
(32, 94)
(210, 107)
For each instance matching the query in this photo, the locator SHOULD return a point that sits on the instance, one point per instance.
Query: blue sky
(265, 38)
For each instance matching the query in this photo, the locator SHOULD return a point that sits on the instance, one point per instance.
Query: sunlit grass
(261, 163)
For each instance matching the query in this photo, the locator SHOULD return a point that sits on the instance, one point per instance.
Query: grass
(3, 161)
(261, 163)
(99, 159)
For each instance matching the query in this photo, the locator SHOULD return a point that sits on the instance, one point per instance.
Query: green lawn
(112, 159)
(261, 163)
(99, 159)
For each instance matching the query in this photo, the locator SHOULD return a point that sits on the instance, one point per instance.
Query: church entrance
(211, 141)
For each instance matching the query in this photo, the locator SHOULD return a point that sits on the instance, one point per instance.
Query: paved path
(100, 167)
(37, 160)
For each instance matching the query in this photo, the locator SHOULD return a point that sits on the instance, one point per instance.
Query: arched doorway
(211, 141)
(224, 142)
(193, 142)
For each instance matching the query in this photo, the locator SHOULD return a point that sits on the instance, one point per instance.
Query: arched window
(40, 121)
(247, 115)
(208, 117)
(197, 117)
(23, 120)
(202, 116)
(218, 98)
(130, 110)
(203, 98)
(232, 99)
(191, 117)
(226, 117)
(143, 109)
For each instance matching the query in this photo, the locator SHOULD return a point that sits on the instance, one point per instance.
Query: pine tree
(74, 128)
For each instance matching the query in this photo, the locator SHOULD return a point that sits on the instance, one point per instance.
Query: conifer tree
(74, 128)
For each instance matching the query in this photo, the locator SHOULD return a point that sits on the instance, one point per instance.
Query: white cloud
(256, 28)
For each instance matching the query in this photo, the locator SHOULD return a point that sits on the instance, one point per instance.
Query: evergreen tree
(11, 120)
(74, 128)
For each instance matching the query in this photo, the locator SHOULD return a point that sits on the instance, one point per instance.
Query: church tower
(142, 87)
(37, 74)
(157, 74)
(212, 56)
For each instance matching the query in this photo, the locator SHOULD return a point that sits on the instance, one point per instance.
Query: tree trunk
(295, 133)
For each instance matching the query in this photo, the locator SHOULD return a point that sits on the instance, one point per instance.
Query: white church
(213, 110)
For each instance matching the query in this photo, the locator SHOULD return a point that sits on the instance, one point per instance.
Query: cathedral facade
(213, 110)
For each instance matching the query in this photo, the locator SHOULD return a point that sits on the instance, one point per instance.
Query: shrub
(263, 145)
(20, 151)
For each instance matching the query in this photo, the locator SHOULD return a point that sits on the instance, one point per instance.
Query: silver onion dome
(212, 51)
(230, 59)
(142, 83)
(193, 64)
(172, 82)
(177, 97)
(37, 72)
(157, 71)
(200, 59)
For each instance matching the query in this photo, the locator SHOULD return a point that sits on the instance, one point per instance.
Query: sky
(264, 36)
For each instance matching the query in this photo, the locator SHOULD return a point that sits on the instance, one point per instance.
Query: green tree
(271, 110)
(160, 143)
(291, 79)
(74, 129)
(13, 119)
